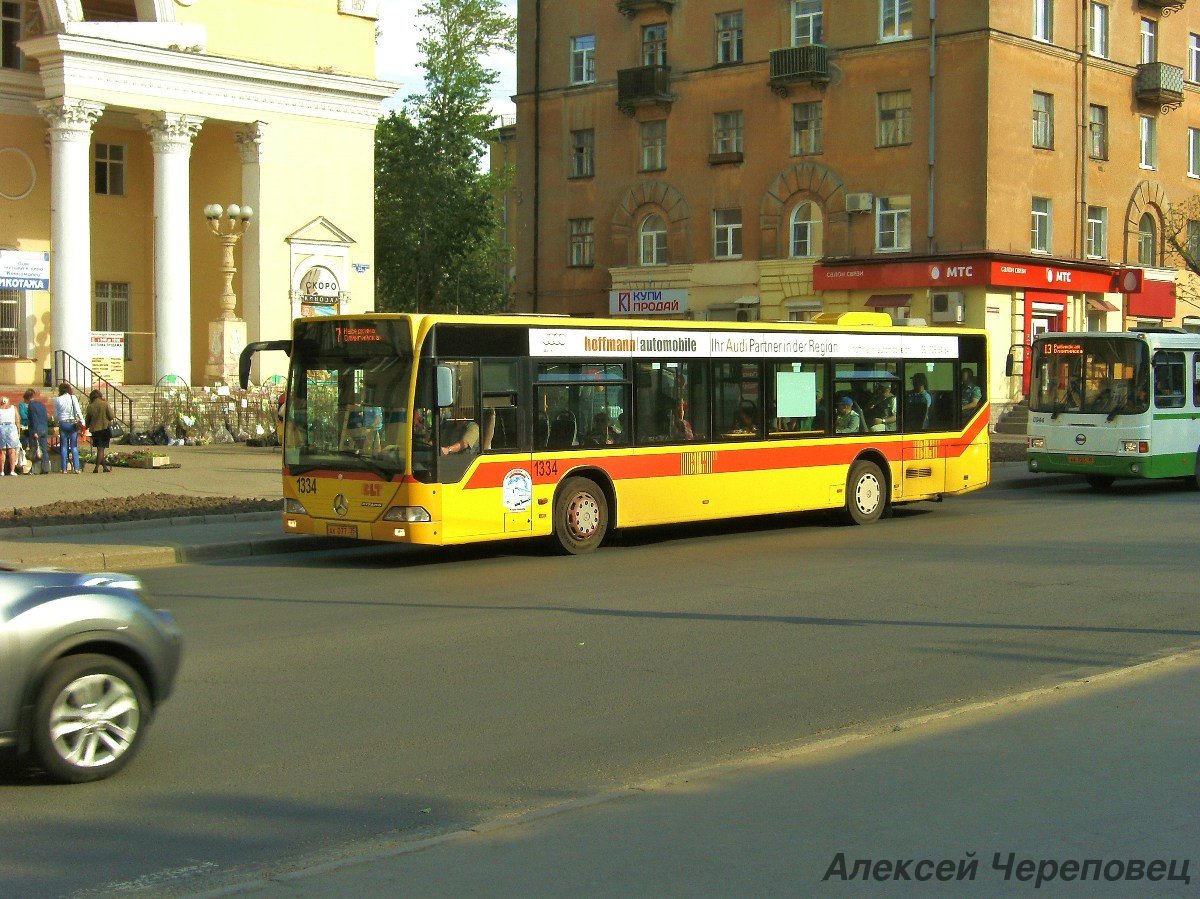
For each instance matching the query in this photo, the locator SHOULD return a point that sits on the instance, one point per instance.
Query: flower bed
(135, 459)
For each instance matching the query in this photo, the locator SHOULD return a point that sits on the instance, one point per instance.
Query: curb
(789, 752)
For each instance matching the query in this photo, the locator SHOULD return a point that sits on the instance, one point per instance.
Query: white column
(172, 136)
(71, 124)
(250, 141)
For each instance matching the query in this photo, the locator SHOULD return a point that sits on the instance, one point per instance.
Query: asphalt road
(332, 703)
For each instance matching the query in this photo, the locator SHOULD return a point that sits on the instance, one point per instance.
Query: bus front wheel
(866, 493)
(580, 516)
(1099, 481)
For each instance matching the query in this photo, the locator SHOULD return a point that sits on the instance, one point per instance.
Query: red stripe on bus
(768, 458)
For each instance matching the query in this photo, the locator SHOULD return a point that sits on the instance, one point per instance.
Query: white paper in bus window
(796, 392)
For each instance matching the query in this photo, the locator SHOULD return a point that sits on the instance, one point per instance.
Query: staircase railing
(68, 369)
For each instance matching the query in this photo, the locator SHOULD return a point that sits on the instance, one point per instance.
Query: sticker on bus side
(517, 490)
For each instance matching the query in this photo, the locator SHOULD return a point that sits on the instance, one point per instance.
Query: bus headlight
(406, 513)
(294, 507)
(1037, 442)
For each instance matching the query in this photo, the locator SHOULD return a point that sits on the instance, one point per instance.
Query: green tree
(438, 237)
(1181, 227)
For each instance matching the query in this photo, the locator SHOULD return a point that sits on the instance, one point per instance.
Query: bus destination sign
(1055, 348)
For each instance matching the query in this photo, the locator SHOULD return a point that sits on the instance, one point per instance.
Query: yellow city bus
(447, 429)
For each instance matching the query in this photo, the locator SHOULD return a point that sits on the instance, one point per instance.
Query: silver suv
(83, 664)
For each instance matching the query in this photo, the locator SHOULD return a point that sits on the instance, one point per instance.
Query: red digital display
(366, 334)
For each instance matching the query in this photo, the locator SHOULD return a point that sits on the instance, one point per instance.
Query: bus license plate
(1081, 460)
(341, 530)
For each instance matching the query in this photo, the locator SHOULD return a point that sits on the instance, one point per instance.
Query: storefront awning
(1156, 300)
(1095, 305)
(889, 300)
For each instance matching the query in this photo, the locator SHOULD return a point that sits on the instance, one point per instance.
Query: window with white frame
(1147, 240)
(1043, 120)
(583, 59)
(1194, 152)
(807, 123)
(654, 45)
(583, 243)
(893, 224)
(805, 231)
(1039, 231)
(729, 37)
(110, 310)
(727, 132)
(808, 25)
(1149, 33)
(1148, 137)
(654, 145)
(1098, 30)
(1097, 232)
(10, 323)
(583, 153)
(895, 118)
(727, 233)
(10, 33)
(1098, 131)
(1043, 20)
(1194, 57)
(110, 169)
(895, 19)
(652, 236)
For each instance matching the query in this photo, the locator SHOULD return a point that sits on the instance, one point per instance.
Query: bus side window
(1196, 380)
(1168, 379)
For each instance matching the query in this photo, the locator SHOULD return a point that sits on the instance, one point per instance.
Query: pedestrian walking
(70, 420)
(39, 431)
(10, 438)
(99, 419)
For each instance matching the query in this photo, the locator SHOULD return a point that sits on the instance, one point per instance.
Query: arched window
(806, 231)
(653, 234)
(1147, 241)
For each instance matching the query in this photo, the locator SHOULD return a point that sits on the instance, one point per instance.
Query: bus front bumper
(1112, 466)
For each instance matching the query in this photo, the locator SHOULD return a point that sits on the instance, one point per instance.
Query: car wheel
(89, 718)
(580, 516)
(1099, 481)
(866, 493)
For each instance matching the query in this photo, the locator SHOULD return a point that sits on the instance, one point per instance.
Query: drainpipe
(930, 214)
(1083, 144)
(537, 142)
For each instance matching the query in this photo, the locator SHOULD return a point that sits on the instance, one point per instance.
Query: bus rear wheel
(1099, 481)
(580, 516)
(866, 493)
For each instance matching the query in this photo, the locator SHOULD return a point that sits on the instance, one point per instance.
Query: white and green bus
(1116, 405)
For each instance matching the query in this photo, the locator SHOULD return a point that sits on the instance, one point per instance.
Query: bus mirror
(445, 386)
(1008, 365)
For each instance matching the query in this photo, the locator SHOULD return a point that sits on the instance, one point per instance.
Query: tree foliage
(438, 238)
(1181, 232)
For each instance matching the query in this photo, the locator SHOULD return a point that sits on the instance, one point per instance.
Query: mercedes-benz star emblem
(340, 505)
(1081, 439)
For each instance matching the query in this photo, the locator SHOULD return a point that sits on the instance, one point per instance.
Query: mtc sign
(647, 302)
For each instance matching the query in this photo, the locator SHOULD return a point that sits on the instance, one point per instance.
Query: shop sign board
(21, 270)
(647, 302)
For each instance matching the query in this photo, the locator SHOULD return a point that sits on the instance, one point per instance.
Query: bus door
(483, 460)
(930, 407)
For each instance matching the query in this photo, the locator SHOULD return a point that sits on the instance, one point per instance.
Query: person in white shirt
(70, 420)
(10, 437)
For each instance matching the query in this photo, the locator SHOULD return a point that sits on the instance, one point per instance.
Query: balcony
(1160, 84)
(630, 8)
(1167, 6)
(643, 86)
(799, 65)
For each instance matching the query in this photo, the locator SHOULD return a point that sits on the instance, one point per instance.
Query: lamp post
(227, 335)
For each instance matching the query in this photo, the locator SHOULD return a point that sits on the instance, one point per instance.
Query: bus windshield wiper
(365, 462)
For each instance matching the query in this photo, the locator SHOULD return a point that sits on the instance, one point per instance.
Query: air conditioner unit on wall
(948, 306)
(860, 202)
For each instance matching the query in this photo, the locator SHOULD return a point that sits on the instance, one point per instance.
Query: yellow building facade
(1005, 165)
(122, 120)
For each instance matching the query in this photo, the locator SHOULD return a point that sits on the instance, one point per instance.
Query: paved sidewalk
(1065, 774)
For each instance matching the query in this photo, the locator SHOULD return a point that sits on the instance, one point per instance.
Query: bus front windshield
(347, 407)
(1101, 375)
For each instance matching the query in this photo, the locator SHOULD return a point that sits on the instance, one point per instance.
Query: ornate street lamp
(227, 335)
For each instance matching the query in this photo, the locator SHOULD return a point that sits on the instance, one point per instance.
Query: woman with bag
(99, 422)
(10, 440)
(39, 430)
(70, 420)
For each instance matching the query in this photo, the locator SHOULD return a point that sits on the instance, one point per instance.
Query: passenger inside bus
(679, 427)
(459, 435)
(848, 420)
(881, 413)
(972, 395)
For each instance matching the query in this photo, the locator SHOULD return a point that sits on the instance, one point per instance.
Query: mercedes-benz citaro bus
(1116, 405)
(447, 429)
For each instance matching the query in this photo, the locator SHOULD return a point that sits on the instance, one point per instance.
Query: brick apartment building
(997, 164)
